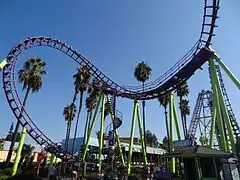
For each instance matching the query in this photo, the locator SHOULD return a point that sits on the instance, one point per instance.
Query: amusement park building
(3, 153)
(79, 142)
(124, 143)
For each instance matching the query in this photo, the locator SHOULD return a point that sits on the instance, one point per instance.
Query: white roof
(138, 148)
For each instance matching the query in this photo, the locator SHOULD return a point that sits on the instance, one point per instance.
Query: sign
(182, 143)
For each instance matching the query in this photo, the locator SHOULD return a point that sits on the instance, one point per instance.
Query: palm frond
(142, 72)
(31, 74)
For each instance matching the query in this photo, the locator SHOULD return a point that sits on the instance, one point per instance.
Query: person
(58, 171)
(53, 173)
(147, 173)
(74, 175)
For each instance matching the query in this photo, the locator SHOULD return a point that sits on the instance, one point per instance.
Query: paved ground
(61, 179)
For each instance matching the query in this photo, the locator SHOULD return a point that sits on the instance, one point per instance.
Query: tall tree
(142, 73)
(151, 139)
(185, 108)
(164, 144)
(2, 142)
(69, 112)
(90, 103)
(31, 78)
(26, 153)
(81, 81)
(10, 133)
(164, 101)
(107, 109)
(182, 91)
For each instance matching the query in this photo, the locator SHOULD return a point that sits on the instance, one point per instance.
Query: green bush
(92, 178)
(137, 173)
(7, 172)
(134, 176)
(4, 177)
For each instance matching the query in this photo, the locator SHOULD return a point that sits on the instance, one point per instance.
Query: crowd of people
(55, 173)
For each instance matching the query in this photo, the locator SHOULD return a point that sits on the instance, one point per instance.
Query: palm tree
(82, 80)
(182, 91)
(107, 109)
(164, 101)
(142, 73)
(91, 103)
(31, 78)
(185, 108)
(69, 112)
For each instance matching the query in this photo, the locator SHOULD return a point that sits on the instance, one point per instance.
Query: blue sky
(114, 35)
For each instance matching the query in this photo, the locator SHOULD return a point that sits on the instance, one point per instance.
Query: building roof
(138, 148)
(199, 151)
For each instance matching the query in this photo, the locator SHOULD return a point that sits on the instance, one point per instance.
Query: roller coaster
(180, 72)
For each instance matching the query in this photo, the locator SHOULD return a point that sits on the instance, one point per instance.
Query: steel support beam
(228, 72)
(117, 138)
(101, 134)
(222, 108)
(92, 125)
(144, 144)
(131, 138)
(3, 63)
(216, 105)
(19, 150)
(213, 124)
(136, 114)
(172, 161)
(176, 121)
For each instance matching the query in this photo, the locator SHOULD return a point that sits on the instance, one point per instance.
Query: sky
(115, 36)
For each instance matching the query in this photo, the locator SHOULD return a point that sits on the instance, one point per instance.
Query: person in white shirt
(74, 175)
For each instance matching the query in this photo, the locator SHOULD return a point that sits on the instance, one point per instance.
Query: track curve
(179, 73)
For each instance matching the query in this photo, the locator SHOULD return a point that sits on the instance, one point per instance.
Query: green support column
(2, 64)
(51, 164)
(19, 150)
(228, 72)
(144, 153)
(117, 138)
(120, 148)
(172, 162)
(223, 106)
(92, 125)
(198, 168)
(213, 124)
(131, 138)
(171, 129)
(176, 121)
(101, 134)
(217, 106)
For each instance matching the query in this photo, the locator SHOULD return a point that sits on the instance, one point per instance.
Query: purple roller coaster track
(180, 72)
